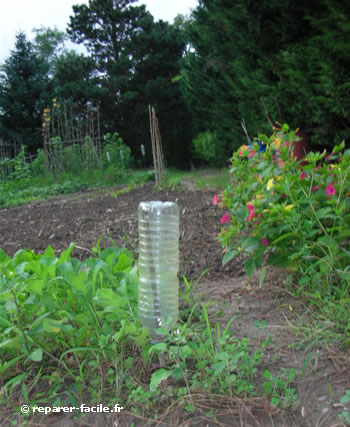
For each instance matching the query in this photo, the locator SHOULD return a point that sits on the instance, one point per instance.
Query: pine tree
(24, 92)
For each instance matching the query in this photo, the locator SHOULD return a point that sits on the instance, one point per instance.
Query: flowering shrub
(290, 214)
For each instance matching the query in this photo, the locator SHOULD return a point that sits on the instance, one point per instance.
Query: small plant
(279, 389)
(116, 155)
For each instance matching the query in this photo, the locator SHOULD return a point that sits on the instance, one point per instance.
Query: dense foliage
(294, 55)
(279, 212)
(71, 328)
(24, 91)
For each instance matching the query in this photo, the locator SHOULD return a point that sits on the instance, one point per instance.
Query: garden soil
(259, 310)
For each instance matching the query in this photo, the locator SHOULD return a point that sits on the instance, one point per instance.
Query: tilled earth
(85, 217)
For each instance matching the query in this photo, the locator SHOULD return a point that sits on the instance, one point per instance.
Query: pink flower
(215, 199)
(330, 189)
(283, 196)
(303, 175)
(225, 218)
(314, 189)
(329, 155)
(317, 167)
(264, 241)
(252, 153)
(251, 212)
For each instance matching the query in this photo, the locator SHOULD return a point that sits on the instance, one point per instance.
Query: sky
(24, 15)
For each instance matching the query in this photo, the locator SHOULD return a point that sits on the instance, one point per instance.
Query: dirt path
(259, 311)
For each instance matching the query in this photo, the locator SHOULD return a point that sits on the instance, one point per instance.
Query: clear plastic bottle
(158, 301)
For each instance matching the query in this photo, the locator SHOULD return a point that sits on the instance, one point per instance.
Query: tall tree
(76, 79)
(24, 92)
(49, 42)
(294, 55)
(137, 59)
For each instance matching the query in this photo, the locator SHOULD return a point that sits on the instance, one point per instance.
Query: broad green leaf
(250, 244)
(36, 286)
(324, 213)
(36, 355)
(157, 377)
(110, 299)
(278, 260)
(82, 319)
(51, 325)
(229, 255)
(159, 347)
(124, 262)
(34, 267)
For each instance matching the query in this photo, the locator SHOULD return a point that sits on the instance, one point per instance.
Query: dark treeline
(202, 74)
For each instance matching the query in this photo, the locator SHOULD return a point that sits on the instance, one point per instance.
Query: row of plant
(69, 333)
(31, 181)
(294, 215)
(114, 156)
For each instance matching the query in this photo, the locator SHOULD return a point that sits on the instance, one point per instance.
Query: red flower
(303, 175)
(314, 189)
(252, 153)
(330, 189)
(225, 218)
(317, 167)
(251, 212)
(264, 241)
(329, 155)
(215, 199)
(283, 196)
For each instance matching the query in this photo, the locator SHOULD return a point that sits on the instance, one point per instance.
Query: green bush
(37, 166)
(207, 148)
(295, 216)
(119, 154)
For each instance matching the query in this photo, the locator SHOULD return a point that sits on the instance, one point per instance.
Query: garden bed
(298, 340)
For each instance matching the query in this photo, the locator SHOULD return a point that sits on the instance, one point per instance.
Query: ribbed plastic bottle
(158, 302)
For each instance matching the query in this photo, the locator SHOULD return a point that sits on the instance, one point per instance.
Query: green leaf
(157, 377)
(267, 374)
(158, 348)
(250, 266)
(36, 355)
(324, 213)
(262, 276)
(51, 325)
(275, 401)
(278, 260)
(229, 254)
(124, 262)
(250, 244)
(36, 286)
